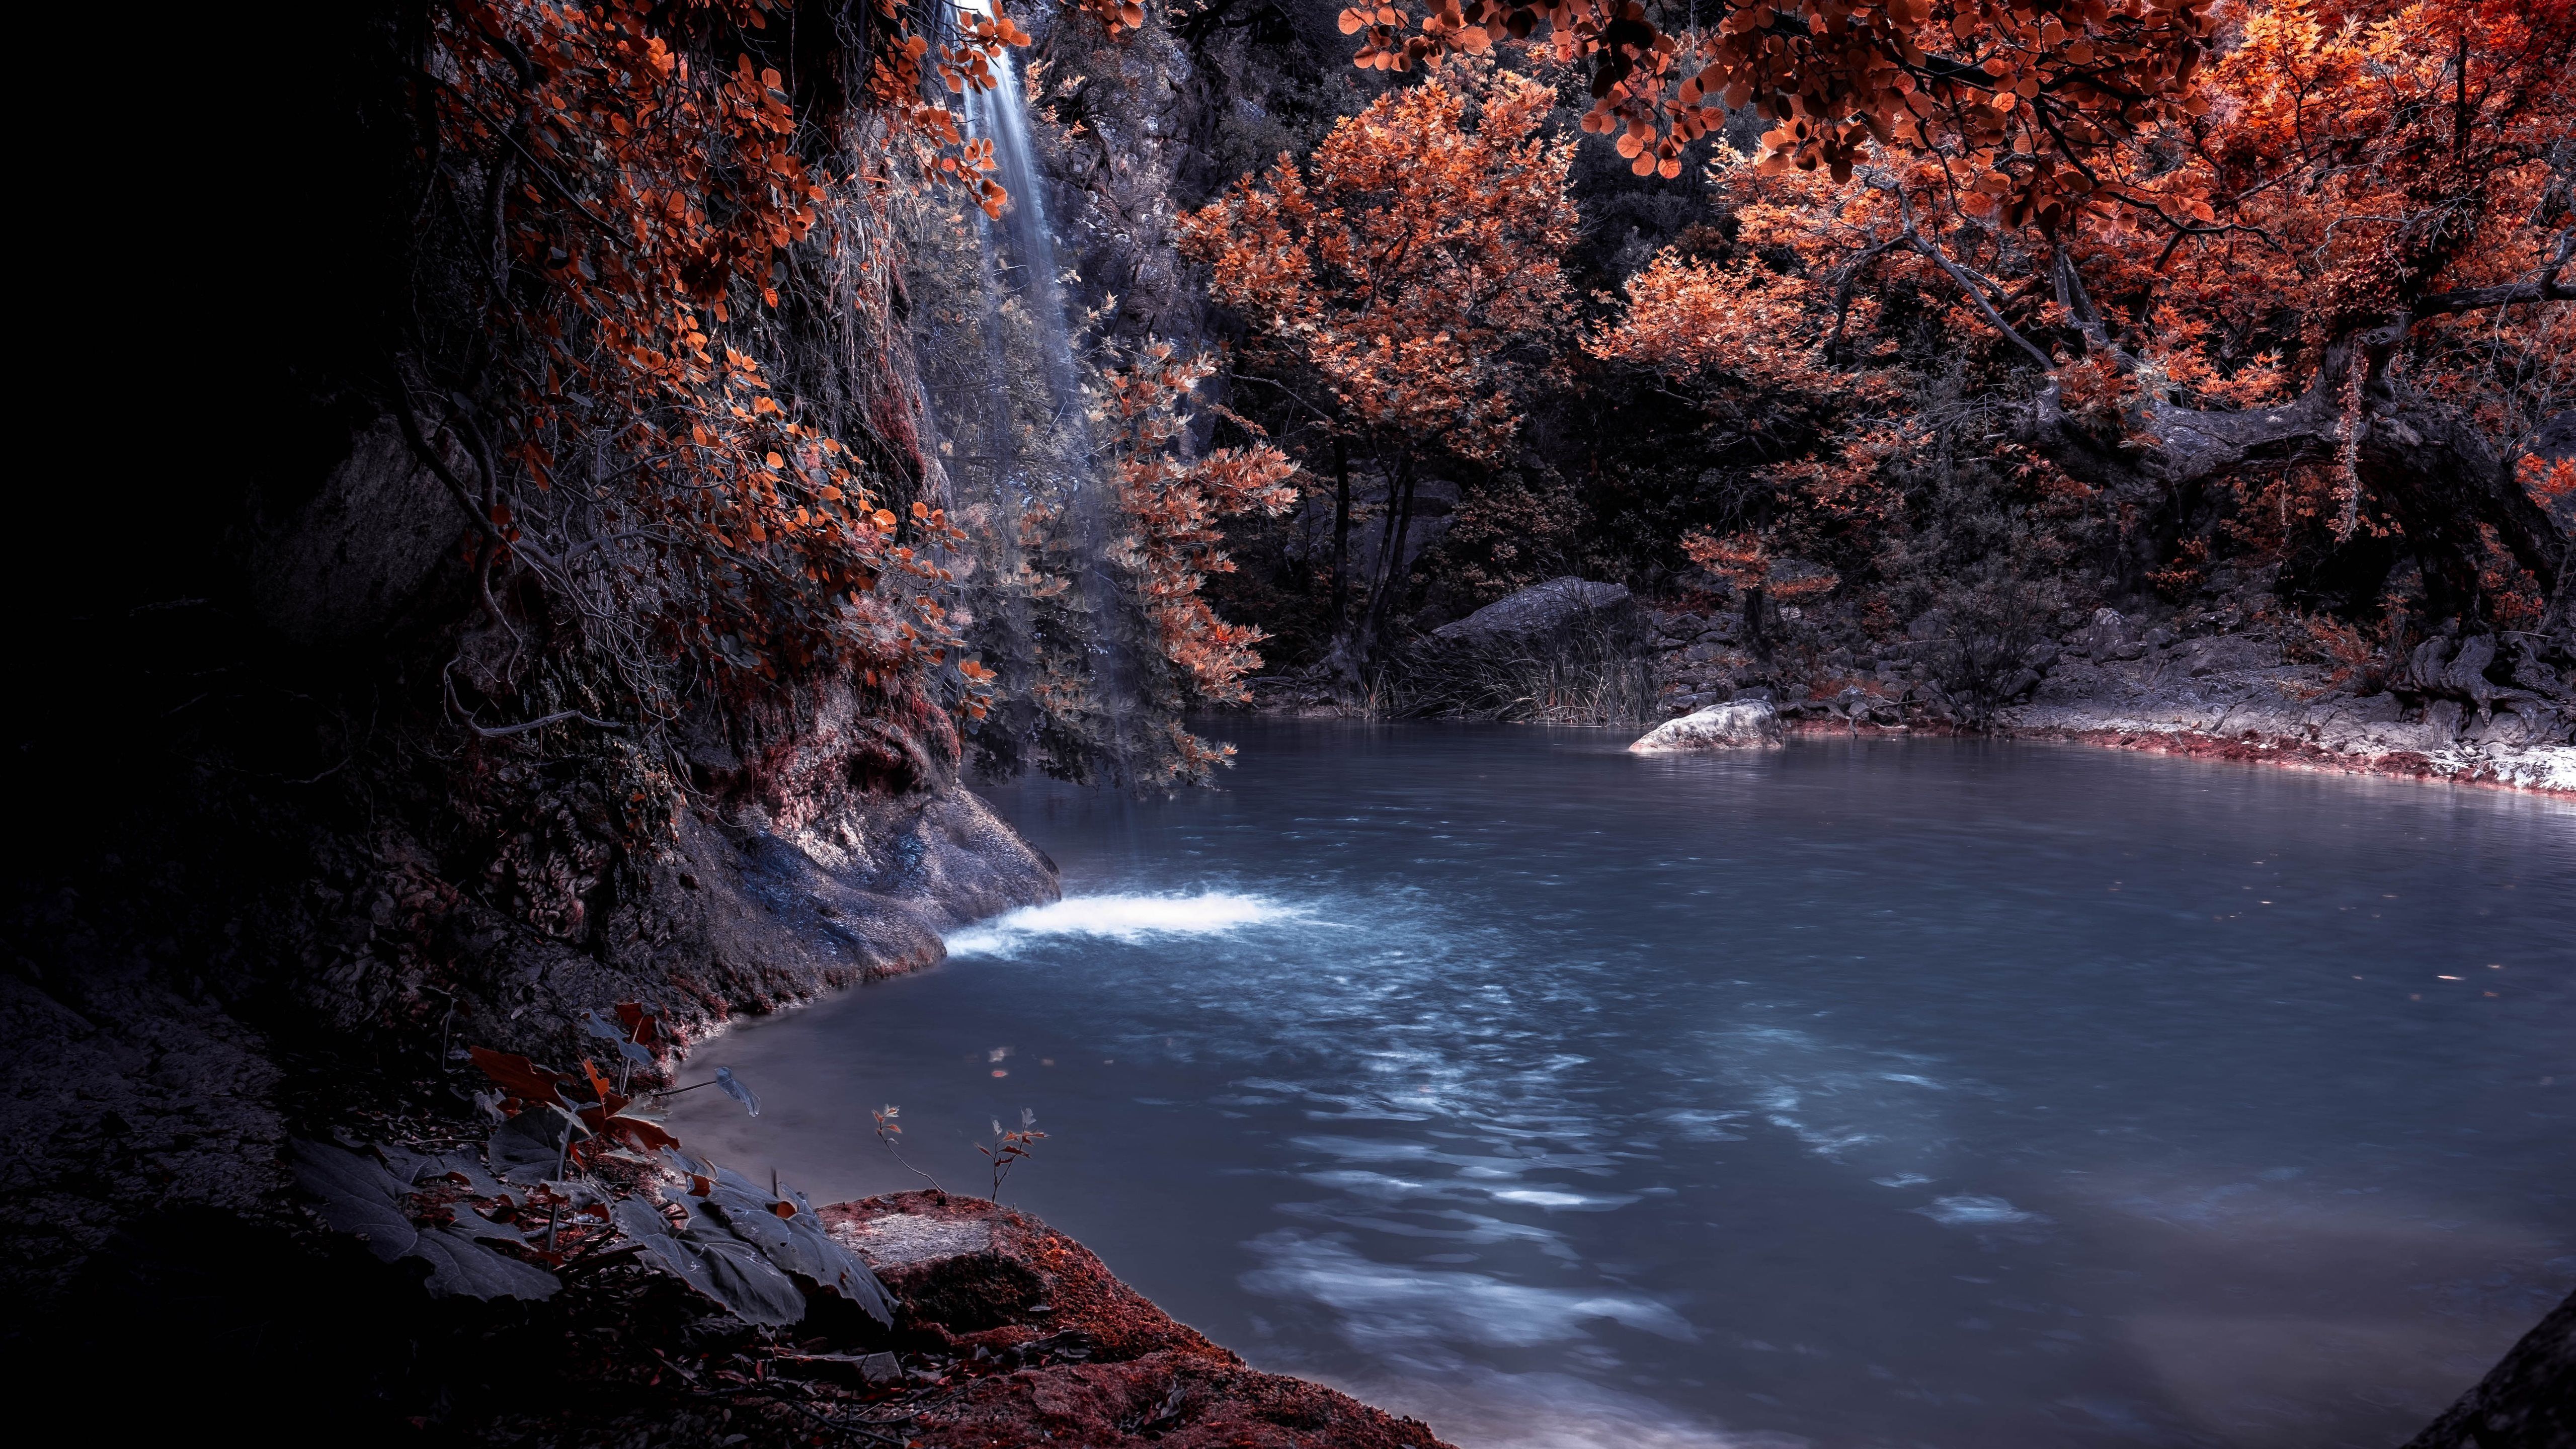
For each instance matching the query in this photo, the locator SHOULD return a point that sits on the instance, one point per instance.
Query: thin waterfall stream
(1019, 262)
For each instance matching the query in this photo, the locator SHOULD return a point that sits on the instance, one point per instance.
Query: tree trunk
(1347, 656)
(2430, 466)
(1341, 534)
(1390, 559)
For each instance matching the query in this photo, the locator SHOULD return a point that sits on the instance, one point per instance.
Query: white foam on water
(1972, 1211)
(1377, 1185)
(1124, 918)
(1542, 1198)
(1535, 1197)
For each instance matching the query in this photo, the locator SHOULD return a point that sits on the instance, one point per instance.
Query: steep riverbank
(182, 1006)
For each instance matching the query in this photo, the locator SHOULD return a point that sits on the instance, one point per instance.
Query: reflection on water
(1867, 1093)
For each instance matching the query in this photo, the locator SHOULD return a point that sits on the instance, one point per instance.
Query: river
(1876, 1092)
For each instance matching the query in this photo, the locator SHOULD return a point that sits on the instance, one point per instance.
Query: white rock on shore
(1746, 724)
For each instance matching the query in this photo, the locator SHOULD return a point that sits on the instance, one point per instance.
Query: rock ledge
(1103, 1367)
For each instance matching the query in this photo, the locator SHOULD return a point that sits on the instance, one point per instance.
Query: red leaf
(520, 1077)
(641, 1026)
(639, 1134)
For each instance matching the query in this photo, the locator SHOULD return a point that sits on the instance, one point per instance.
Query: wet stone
(904, 1240)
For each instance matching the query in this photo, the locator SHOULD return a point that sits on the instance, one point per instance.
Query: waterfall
(1019, 245)
(1019, 264)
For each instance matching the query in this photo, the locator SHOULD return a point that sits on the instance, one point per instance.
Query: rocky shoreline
(223, 1176)
(2252, 691)
(2335, 735)
(1019, 1335)
(1005, 1334)
(2223, 683)
(2546, 770)
(2244, 696)
(125, 1098)
(2229, 695)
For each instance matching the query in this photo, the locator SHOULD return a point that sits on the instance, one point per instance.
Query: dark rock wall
(262, 874)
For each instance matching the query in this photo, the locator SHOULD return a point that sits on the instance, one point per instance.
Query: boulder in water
(1745, 724)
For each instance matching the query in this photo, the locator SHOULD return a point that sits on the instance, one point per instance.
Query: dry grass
(1591, 671)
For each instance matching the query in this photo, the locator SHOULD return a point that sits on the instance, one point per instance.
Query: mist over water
(1868, 1093)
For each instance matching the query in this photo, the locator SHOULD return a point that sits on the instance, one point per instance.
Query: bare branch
(1968, 283)
(2078, 303)
(432, 459)
(1848, 282)
(2541, 286)
(558, 717)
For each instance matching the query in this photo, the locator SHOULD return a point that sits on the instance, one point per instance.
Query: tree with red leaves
(2345, 248)
(1409, 269)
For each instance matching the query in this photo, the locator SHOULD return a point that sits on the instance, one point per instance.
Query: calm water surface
(1866, 1093)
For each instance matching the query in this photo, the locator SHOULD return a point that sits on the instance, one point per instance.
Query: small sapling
(890, 1132)
(1007, 1148)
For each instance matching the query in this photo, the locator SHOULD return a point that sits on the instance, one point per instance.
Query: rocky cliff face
(315, 798)
(320, 796)
(259, 898)
(223, 964)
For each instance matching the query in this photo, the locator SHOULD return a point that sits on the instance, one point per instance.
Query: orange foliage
(1175, 502)
(2324, 639)
(1746, 562)
(2038, 95)
(2184, 574)
(2518, 599)
(895, 83)
(1851, 484)
(1115, 16)
(2359, 157)
(2548, 482)
(1409, 259)
(2273, 510)
(641, 196)
(1758, 347)
(1742, 320)
(2329, 169)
